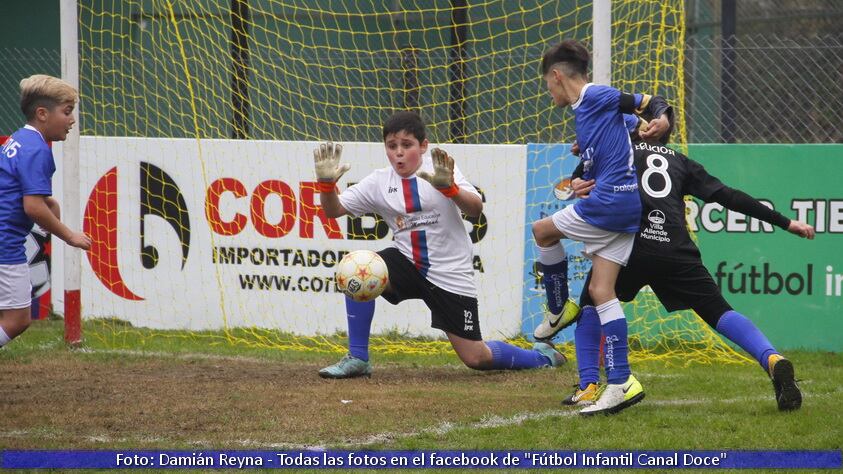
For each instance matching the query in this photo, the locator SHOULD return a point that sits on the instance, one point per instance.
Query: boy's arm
(37, 208)
(326, 158)
(443, 180)
(330, 202)
(54, 206)
(710, 189)
(737, 200)
(656, 108)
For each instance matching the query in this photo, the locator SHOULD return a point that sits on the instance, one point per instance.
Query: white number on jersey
(656, 164)
(11, 148)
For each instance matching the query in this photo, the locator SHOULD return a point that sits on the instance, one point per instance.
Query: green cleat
(548, 350)
(553, 323)
(348, 367)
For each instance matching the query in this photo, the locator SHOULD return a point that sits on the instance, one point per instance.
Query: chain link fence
(16, 64)
(778, 89)
(784, 89)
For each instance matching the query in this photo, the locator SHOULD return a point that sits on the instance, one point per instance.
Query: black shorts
(450, 312)
(678, 284)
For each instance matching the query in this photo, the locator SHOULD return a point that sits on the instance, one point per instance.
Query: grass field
(195, 395)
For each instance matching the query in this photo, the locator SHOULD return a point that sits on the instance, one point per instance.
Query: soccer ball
(362, 275)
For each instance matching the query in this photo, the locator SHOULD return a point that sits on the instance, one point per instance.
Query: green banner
(792, 288)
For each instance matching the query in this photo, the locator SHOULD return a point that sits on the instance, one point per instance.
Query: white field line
(443, 428)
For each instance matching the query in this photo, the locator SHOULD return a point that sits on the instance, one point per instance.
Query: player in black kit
(665, 258)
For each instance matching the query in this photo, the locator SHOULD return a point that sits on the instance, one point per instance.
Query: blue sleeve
(602, 97)
(36, 172)
(631, 122)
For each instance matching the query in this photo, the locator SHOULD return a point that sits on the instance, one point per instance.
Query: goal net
(198, 119)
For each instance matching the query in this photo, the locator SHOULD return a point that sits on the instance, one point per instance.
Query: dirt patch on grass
(82, 401)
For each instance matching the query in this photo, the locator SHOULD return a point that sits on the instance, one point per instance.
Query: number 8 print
(656, 164)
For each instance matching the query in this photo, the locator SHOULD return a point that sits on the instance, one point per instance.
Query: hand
(443, 173)
(581, 187)
(575, 148)
(326, 158)
(80, 241)
(801, 229)
(656, 128)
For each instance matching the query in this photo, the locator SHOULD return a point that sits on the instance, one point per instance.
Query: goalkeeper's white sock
(4, 338)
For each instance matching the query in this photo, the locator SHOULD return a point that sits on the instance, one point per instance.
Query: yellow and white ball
(362, 275)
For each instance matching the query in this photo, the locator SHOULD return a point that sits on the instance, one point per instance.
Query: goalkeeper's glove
(326, 158)
(443, 173)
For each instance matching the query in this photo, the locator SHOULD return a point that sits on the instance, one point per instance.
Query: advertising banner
(223, 233)
(792, 288)
(549, 169)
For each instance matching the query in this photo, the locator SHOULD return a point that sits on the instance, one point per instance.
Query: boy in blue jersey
(672, 265)
(606, 222)
(26, 171)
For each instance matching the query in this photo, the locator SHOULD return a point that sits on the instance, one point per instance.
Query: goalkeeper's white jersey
(427, 227)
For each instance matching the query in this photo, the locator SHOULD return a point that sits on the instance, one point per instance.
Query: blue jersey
(606, 152)
(26, 168)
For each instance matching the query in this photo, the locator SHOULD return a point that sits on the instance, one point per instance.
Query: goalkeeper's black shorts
(450, 312)
(684, 284)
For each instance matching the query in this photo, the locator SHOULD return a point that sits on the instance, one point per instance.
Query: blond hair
(40, 90)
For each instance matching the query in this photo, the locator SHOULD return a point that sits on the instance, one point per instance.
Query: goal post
(69, 31)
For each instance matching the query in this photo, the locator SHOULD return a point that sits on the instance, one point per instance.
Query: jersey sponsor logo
(160, 196)
(656, 216)
(655, 229)
(625, 188)
(391, 189)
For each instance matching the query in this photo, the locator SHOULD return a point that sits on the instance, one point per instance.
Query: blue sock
(587, 344)
(615, 357)
(555, 271)
(507, 356)
(740, 330)
(359, 324)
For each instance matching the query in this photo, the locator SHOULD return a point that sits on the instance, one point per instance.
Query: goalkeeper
(431, 255)
(665, 257)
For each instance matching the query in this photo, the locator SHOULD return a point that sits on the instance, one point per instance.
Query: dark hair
(570, 52)
(407, 121)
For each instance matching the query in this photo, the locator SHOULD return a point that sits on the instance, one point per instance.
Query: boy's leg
(403, 282)
(15, 301)
(563, 311)
(612, 319)
(690, 285)
(499, 355)
(13, 322)
(359, 316)
(622, 388)
(740, 330)
(356, 362)
(458, 316)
